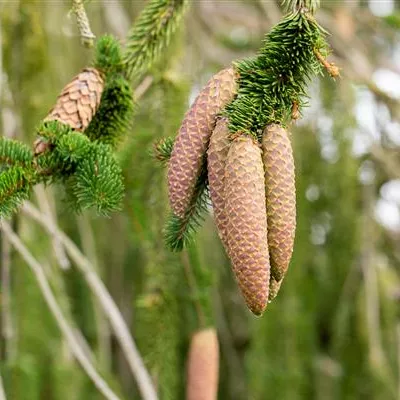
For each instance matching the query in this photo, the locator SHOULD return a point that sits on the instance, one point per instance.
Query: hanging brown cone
(247, 221)
(274, 287)
(281, 197)
(79, 100)
(216, 160)
(203, 366)
(193, 137)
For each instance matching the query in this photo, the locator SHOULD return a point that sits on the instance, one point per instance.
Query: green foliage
(13, 152)
(151, 34)
(97, 181)
(163, 148)
(51, 131)
(73, 147)
(179, 231)
(15, 186)
(274, 81)
(393, 20)
(115, 114)
(108, 56)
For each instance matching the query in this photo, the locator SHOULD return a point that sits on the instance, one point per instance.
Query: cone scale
(247, 221)
(193, 138)
(216, 160)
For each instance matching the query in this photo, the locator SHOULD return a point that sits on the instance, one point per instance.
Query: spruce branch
(274, 82)
(15, 187)
(95, 109)
(162, 149)
(98, 181)
(13, 152)
(85, 32)
(179, 232)
(151, 34)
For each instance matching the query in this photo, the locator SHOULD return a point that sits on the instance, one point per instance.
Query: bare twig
(55, 309)
(88, 244)
(116, 17)
(117, 322)
(332, 69)
(143, 87)
(48, 209)
(86, 34)
(5, 286)
(2, 391)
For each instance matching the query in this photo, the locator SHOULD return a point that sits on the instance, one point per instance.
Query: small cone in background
(281, 197)
(79, 100)
(203, 366)
(216, 160)
(193, 137)
(247, 221)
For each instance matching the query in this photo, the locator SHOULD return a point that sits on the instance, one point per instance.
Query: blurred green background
(332, 333)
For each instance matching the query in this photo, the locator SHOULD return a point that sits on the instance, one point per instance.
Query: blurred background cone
(203, 366)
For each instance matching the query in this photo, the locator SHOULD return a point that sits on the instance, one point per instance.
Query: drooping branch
(55, 309)
(106, 302)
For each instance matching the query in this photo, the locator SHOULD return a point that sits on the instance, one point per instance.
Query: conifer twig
(85, 32)
(151, 33)
(121, 331)
(55, 309)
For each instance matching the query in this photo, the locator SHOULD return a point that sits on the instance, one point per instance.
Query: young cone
(281, 197)
(203, 366)
(247, 221)
(193, 138)
(79, 100)
(216, 160)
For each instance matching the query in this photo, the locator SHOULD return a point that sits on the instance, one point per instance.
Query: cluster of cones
(252, 188)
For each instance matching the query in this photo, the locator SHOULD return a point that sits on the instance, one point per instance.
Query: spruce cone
(281, 197)
(274, 287)
(247, 221)
(217, 154)
(203, 365)
(193, 138)
(79, 100)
